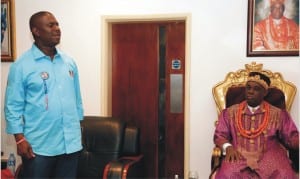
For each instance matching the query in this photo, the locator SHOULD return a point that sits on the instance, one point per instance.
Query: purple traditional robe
(264, 156)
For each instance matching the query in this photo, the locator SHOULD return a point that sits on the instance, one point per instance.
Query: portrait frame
(253, 7)
(8, 36)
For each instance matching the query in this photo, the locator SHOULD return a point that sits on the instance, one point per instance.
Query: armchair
(110, 150)
(231, 91)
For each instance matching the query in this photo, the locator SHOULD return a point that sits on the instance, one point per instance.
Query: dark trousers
(43, 167)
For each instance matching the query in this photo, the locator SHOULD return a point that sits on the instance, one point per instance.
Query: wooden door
(136, 80)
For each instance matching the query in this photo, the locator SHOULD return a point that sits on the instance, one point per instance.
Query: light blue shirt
(43, 102)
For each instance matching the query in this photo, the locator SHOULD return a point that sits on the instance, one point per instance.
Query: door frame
(106, 66)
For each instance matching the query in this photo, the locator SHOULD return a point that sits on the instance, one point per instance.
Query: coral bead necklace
(252, 133)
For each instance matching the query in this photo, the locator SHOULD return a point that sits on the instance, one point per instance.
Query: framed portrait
(273, 28)
(8, 48)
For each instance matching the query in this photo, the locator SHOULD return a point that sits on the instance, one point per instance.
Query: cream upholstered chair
(231, 91)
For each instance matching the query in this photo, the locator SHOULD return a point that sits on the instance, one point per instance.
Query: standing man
(43, 106)
(253, 134)
(276, 32)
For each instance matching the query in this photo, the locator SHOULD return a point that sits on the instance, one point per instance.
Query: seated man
(252, 135)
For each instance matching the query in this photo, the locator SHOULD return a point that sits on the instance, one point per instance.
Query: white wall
(218, 45)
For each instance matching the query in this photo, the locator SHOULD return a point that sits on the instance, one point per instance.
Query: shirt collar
(38, 54)
(253, 109)
(277, 21)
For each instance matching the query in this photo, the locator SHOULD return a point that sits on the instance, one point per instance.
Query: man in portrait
(276, 31)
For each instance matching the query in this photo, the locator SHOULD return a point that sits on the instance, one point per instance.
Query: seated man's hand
(232, 155)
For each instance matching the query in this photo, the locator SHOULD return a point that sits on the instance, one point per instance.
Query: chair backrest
(131, 144)
(102, 142)
(104, 139)
(231, 89)
(236, 95)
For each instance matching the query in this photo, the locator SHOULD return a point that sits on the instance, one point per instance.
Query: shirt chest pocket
(37, 82)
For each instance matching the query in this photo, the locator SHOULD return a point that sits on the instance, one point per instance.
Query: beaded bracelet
(21, 140)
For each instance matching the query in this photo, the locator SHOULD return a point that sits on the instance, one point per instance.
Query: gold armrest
(217, 152)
